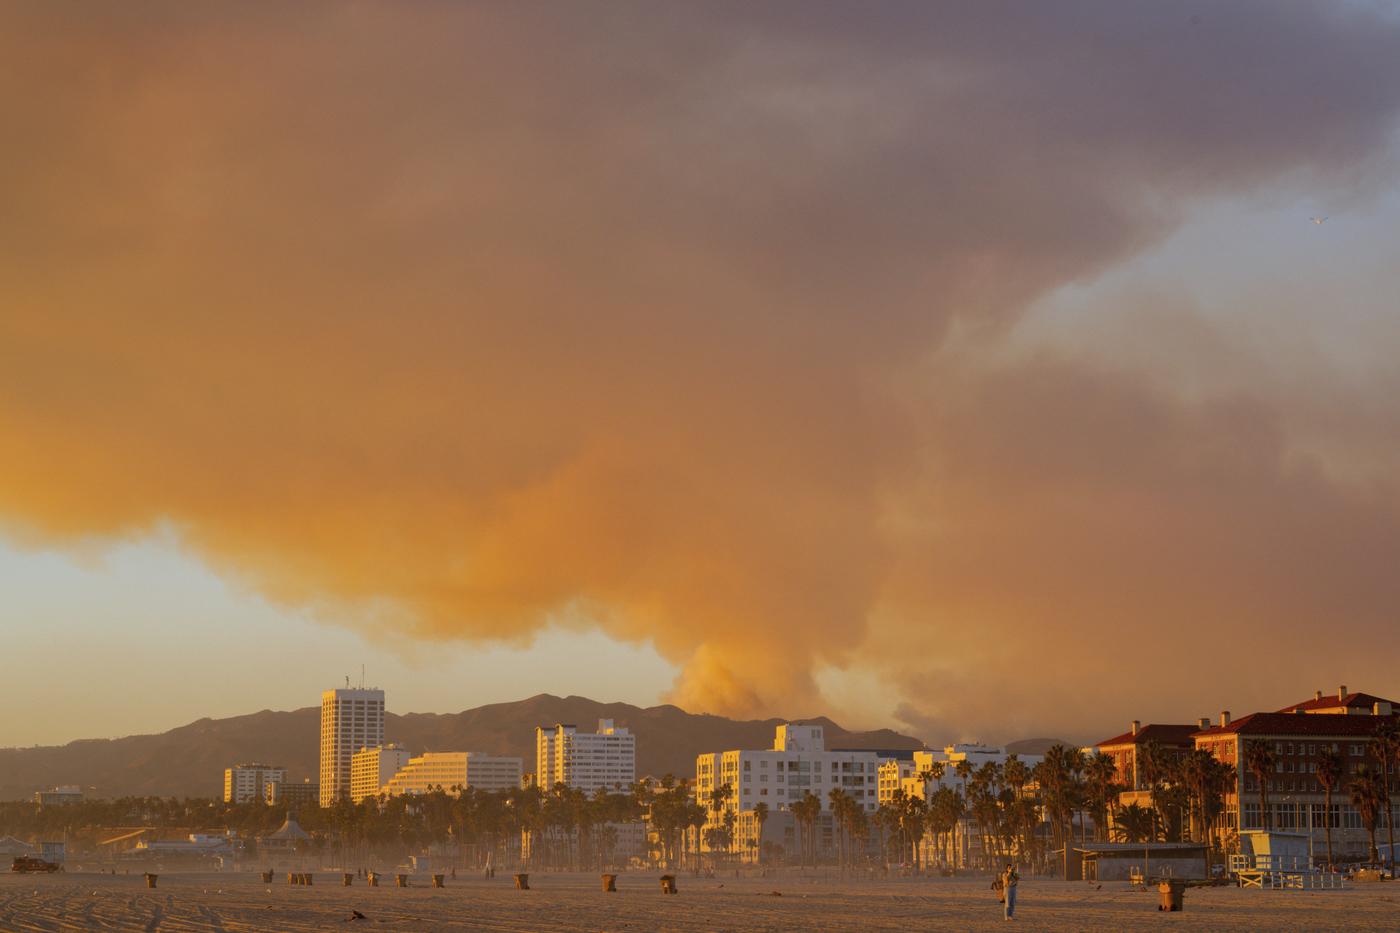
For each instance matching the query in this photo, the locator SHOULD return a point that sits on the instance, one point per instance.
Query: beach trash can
(348, 878)
(610, 882)
(437, 880)
(1170, 892)
(267, 877)
(293, 878)
(522, 882)
(151, 880)
(373, 879)
(307, 879)
(668, 884)
(401, 880)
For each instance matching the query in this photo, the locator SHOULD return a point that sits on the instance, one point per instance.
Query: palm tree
(945, 810)
(1330, 768)
(1100, 771)
(1058, 774)
(963, 769)
(760, 816)
(1368, 796)
(806, 812)
(1260, 759)
(1385, 745)
(719, 798)
(913, 818)
(843, 817)
(1133, 823)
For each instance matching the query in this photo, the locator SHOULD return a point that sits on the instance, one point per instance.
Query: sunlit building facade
(352, 718)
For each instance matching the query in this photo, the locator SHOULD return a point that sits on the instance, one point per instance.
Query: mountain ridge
(189, 760)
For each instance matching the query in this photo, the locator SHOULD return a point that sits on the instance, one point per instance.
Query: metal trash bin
(1170, 892)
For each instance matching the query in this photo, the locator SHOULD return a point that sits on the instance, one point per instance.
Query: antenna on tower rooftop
(347, 681)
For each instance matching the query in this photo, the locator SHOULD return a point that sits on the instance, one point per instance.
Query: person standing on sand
(1009, 878)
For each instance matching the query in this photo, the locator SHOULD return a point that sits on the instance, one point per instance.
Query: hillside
(189, 760)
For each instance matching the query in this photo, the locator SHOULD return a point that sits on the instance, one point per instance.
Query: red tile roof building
(1353, 704)
(1298, 738)
(1173, 741)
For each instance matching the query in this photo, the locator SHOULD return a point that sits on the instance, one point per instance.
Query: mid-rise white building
(797, 764)
(371, 769)
(352, 718)
(586, 760)
(446, 770)
(246, 782)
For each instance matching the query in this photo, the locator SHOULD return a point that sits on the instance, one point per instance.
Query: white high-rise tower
(352, 718)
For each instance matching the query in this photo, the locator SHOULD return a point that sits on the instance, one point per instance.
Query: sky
(974, 370)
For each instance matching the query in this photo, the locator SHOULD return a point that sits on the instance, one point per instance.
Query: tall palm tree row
(1385, 746)
(1331, 767)
(1262, 762)
(1368, 796)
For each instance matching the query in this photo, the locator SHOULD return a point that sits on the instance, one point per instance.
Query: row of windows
(804, 765)
(1296, 816)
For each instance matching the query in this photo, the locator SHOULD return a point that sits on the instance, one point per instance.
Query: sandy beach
(574, 902)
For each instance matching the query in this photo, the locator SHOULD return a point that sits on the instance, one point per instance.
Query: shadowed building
(1298, 736)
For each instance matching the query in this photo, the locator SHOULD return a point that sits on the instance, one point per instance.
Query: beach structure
(352, 718)
(286, 838)
(585, 760)
(247, 782)
(1139, 862)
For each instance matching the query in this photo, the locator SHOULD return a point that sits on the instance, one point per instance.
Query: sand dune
(574, 902)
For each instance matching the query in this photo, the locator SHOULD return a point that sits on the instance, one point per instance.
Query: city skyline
(968, 373)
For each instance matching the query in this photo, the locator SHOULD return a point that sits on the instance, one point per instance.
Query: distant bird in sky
(1318, 220)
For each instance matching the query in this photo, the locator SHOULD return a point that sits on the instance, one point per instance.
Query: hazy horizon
(1008, 369)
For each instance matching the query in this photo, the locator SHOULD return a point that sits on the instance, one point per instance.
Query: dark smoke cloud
(473, 316)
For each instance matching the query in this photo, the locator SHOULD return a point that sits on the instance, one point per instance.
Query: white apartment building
(246, 782)
(447, 770)
(797, 763)
(352, 718)
(907, 776)
(371, 769)
(586, 760)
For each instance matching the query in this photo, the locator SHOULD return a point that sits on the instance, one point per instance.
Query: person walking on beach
(1009, 878)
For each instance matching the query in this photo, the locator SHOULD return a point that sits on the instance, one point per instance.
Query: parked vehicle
(27, 865)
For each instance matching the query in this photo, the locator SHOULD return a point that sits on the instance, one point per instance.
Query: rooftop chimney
(1342, 692)
(1317, 695)
(1203, 723)
(1224, 718)
(1137, 724)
